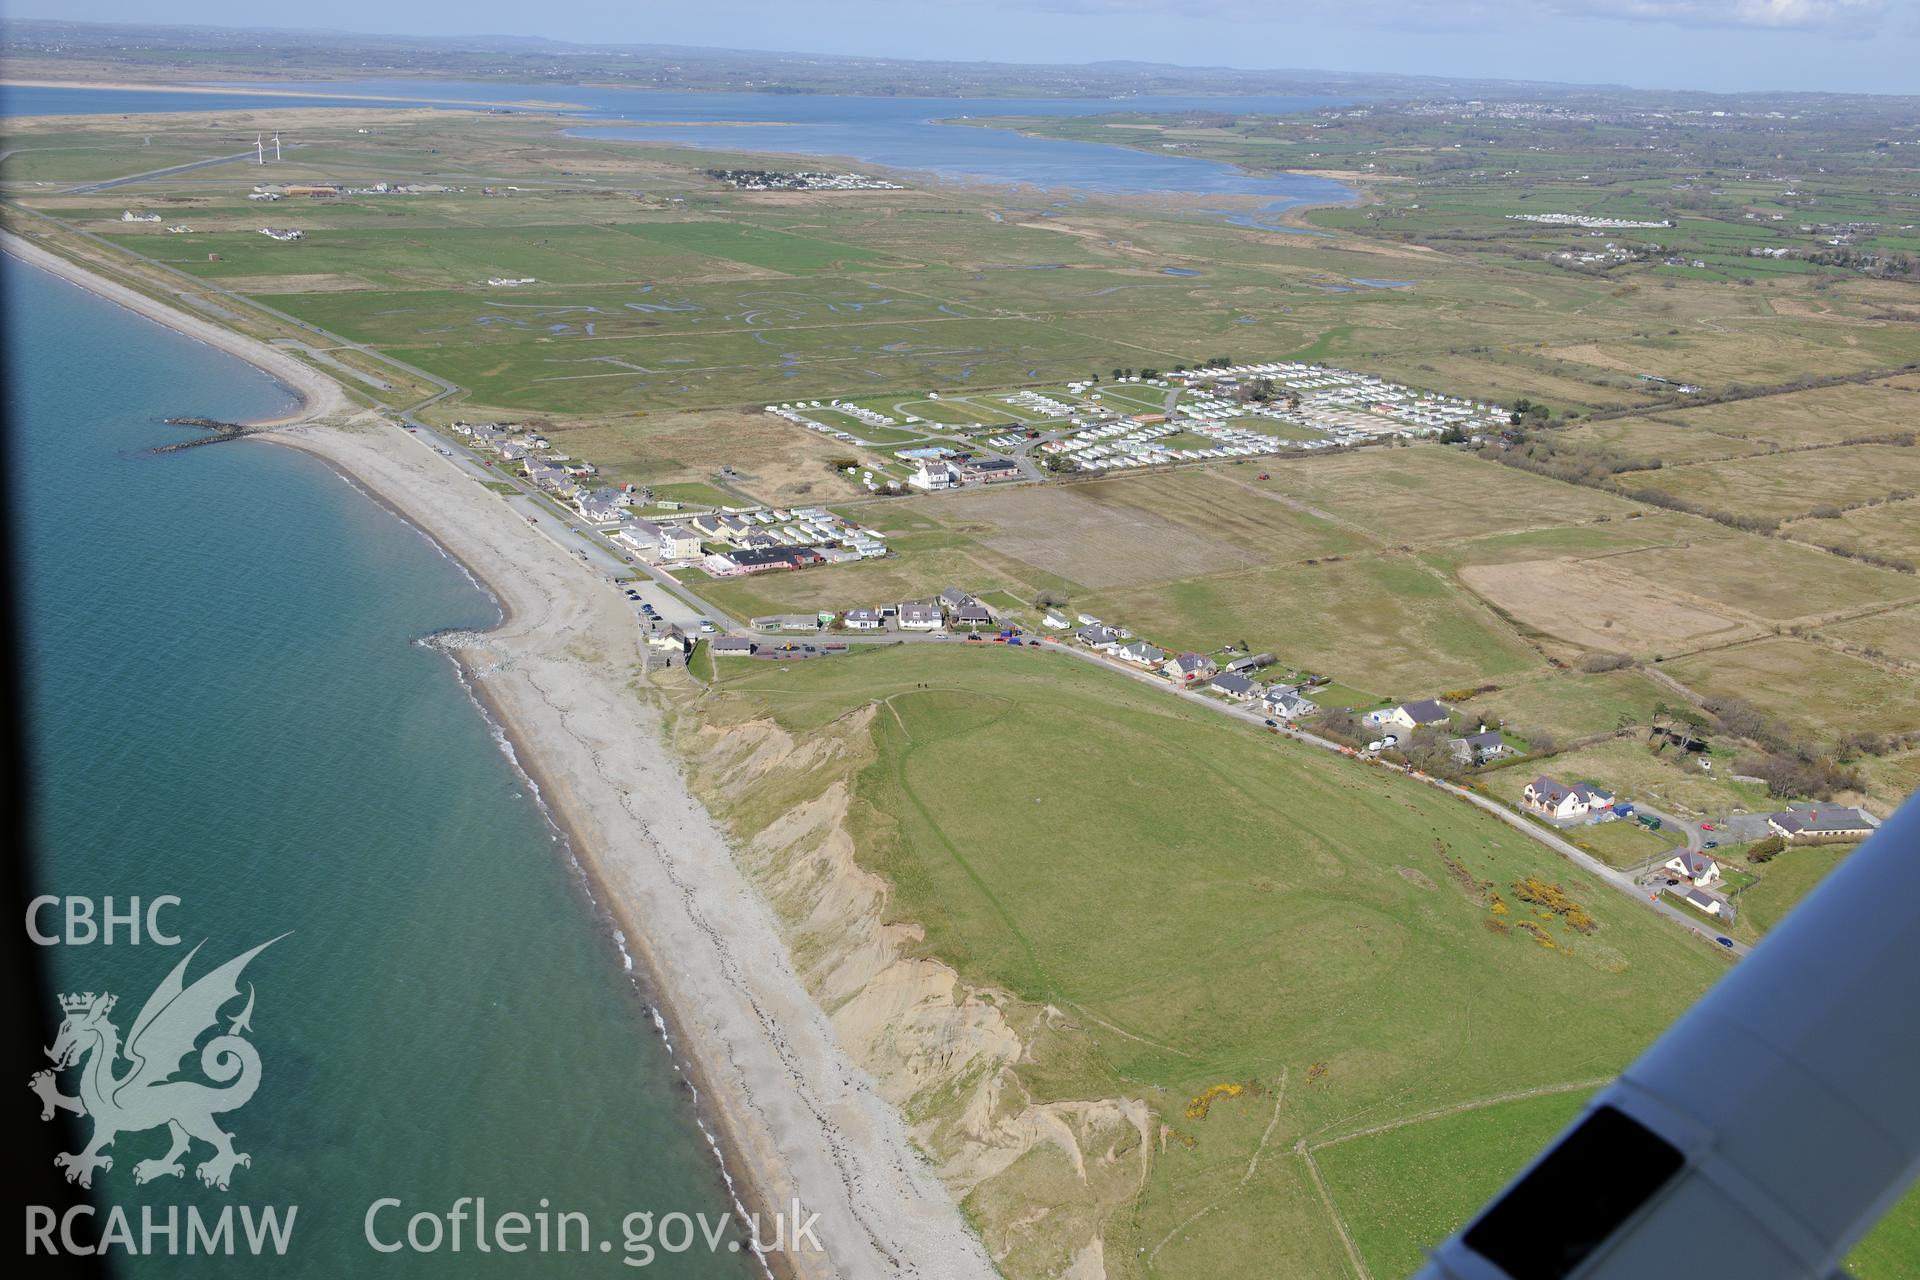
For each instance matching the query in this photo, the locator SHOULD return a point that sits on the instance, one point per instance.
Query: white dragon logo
(146, 1095)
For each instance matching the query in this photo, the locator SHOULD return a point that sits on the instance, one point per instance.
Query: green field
(1250, 940)
(1405, 1188)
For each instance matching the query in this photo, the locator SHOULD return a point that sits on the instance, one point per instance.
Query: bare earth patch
(1591, 603)
(1090, 542)
(1599, 357)
(318, 282)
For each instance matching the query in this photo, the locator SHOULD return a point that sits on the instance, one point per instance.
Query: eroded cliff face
(1038, 1179)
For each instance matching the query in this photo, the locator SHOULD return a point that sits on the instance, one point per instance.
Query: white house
(1054, 622)
(678, 542)
(1287, 704)
(865, 620)
(1139, 651)
(1410, 715)
(932, 474)
(642, 535)
(920, 615)
(1563, 803)
(1695, 866)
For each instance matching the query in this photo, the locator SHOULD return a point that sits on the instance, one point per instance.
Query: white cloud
(1473, 13)
(1732, 13)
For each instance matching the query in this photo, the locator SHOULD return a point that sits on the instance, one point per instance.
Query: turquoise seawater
(227, 704)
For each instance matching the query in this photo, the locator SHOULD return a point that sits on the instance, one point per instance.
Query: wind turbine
(259, 148)
(276, 146)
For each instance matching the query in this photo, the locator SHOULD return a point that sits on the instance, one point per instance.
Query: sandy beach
(798, 1120)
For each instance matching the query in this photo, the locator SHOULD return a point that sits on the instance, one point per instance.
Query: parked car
(1711, 844)
(1725, 942)
(1706, 826)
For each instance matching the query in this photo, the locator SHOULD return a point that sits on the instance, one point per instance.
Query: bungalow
(973, 615)
(1287, 704)
(1694, 866)
(1411, 715)
(991, 470)
(731, 564)
(921, 615)
(1098, 637)
(1556, 800)
(1139, 651)
(1054, 622)
(1706, 903)
(865, 620)
(1235, 686)
(1476, 748)
(1189, 667)
(1821, 822)
(739, 646)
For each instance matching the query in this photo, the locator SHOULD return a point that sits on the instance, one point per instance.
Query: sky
(1719, 45)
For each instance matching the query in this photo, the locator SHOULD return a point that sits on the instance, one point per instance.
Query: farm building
(1820, 822)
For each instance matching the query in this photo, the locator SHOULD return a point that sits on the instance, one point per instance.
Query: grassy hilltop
(1348, 1026)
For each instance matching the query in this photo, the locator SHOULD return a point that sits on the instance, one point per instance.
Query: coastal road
(88, 188)
(1621, 881)
(621, 565)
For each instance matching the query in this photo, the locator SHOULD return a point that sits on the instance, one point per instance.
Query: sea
(233, 720)
(229, 706)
